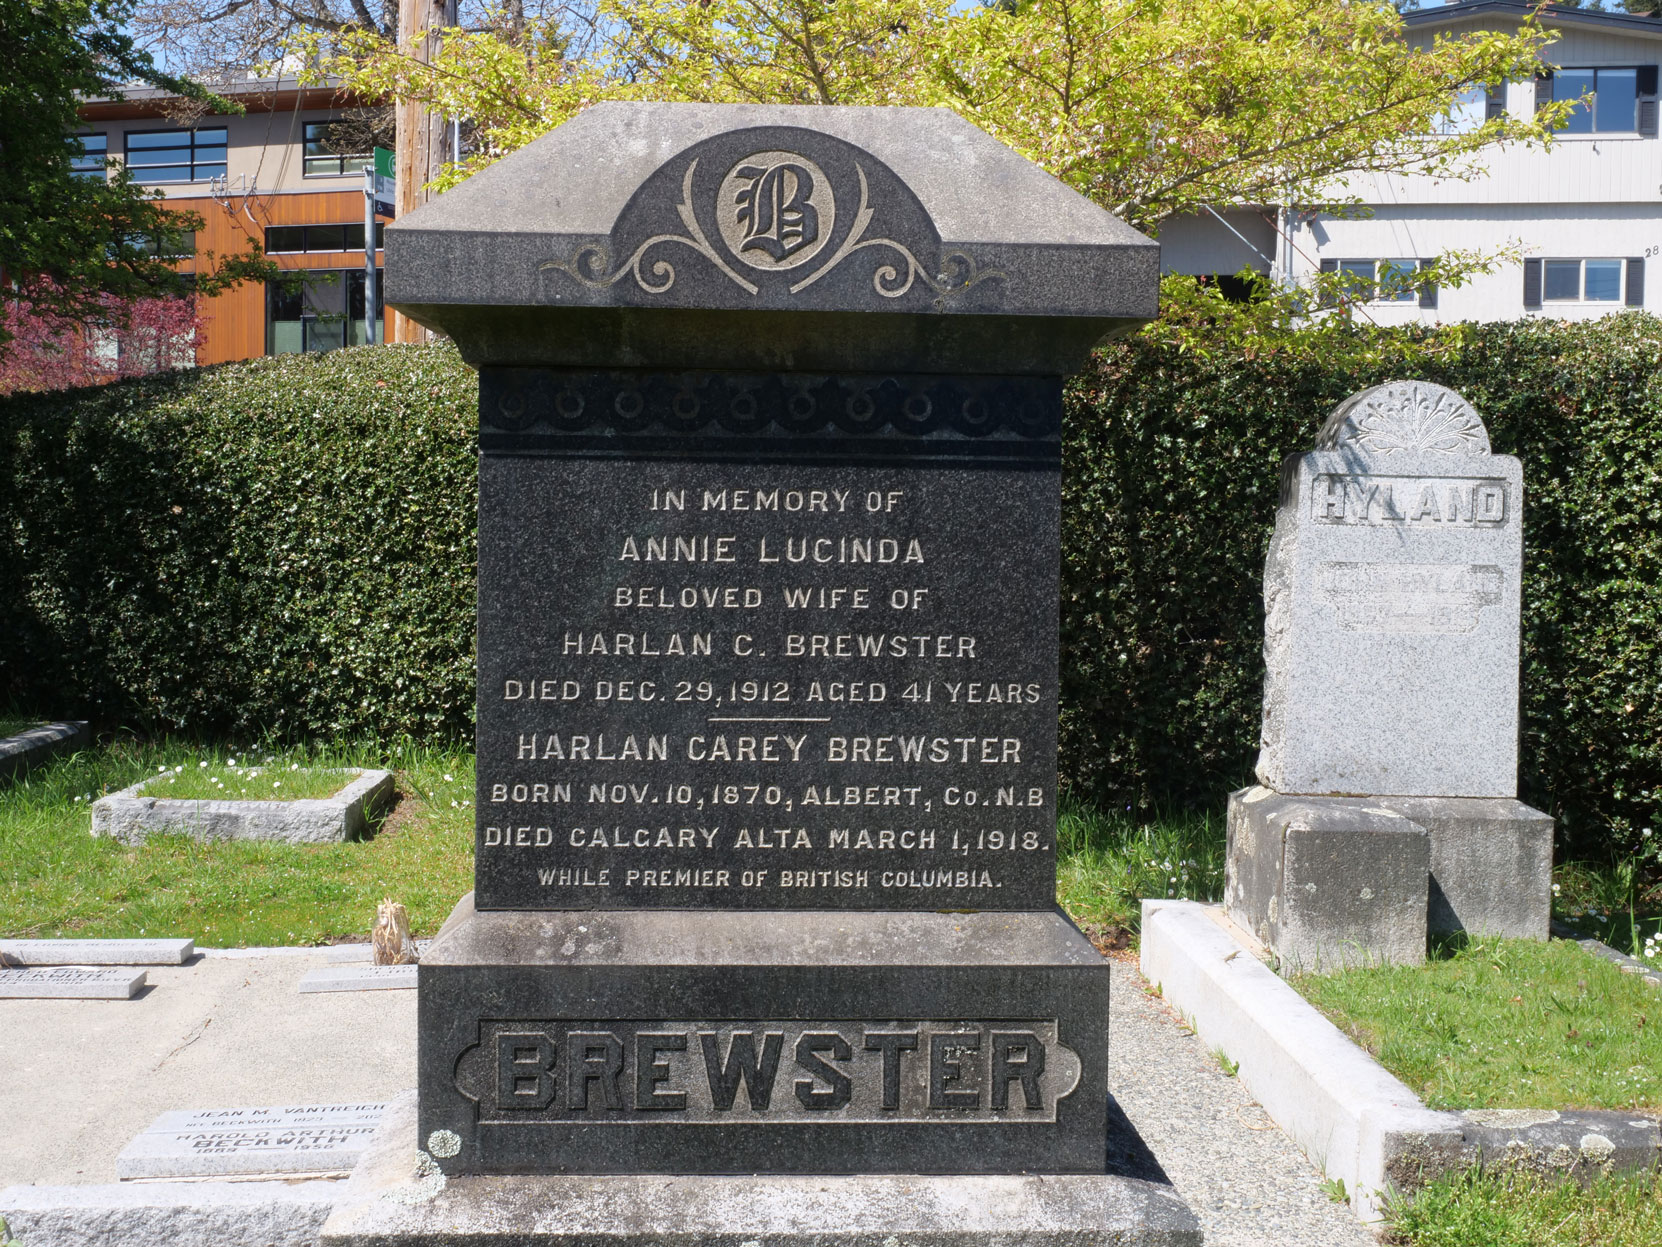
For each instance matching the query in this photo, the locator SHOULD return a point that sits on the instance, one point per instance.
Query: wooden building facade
(273, 176)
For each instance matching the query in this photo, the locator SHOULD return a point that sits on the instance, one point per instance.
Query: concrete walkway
(83, 1077)
(79, 1078)
(1249, 1184)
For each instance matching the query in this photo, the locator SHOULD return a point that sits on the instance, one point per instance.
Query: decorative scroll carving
(775, 213)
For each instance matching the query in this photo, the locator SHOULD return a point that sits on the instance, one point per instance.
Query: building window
(1468, 112)
(1606, 100)
(176, 155)
(1589, 281)
(174, 244)
(323, 313)
(89, 161)
(1382, 281)
(298, 239)
(1596, 281)
(321, 161)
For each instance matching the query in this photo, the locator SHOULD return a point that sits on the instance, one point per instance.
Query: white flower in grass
(276, 783)
(201, 764)
(160, 769)
(449, 779)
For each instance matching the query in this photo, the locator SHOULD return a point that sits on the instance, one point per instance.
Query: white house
(1587, 213)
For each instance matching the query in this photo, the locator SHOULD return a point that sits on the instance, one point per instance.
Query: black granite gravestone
(770, 410)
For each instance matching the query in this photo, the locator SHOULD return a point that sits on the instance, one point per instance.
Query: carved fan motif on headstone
(1405, 417)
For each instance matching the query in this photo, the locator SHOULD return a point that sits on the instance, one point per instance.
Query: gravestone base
(1491, 864)
(396, 1197)
(1327, 882)
(594, 1041)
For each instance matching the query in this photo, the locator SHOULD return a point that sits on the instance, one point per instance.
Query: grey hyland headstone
(289, 1139)
(1391, 599)
(769, 498)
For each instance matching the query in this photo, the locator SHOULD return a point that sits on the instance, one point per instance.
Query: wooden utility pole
(421, 138)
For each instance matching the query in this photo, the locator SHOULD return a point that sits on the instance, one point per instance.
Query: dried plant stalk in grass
(391, 936)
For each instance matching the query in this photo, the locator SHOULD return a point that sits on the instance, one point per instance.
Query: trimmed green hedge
(286, 546)
(1170, 483)
(283, 546)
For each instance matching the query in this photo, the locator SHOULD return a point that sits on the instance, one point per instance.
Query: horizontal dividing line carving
(768, 407)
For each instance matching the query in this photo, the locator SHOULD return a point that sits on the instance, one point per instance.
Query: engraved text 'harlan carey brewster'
(776, 211)
(782, 1070)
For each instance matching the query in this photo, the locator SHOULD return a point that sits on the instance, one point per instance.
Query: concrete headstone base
(1491, 864)
(1327, 882)
(397, 1197)
(535, 1058)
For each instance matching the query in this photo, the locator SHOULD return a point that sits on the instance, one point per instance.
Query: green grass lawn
(237, 779)
(1108, 862)
(1505, 1024)
(57, 880)
(1517, 1210)
(11, 724)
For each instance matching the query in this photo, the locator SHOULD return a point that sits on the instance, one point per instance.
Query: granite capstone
(965, 243)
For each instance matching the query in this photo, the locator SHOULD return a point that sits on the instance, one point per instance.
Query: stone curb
(174, 1214)
(129, 816)
(31, 748)
(1335, 1101)
(1628, 965)
(1353, 1118)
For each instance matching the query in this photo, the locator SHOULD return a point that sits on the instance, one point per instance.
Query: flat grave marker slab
(305, 1138)
(71, 983)
(359, 978)
(15, 953)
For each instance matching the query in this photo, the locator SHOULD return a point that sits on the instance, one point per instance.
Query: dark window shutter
(1494, 103)
(1428, 287)
(1532, 283)
(1646, 80)
(1543, 91)
(1647, 119)
(1636, 283)
(1329, 267)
